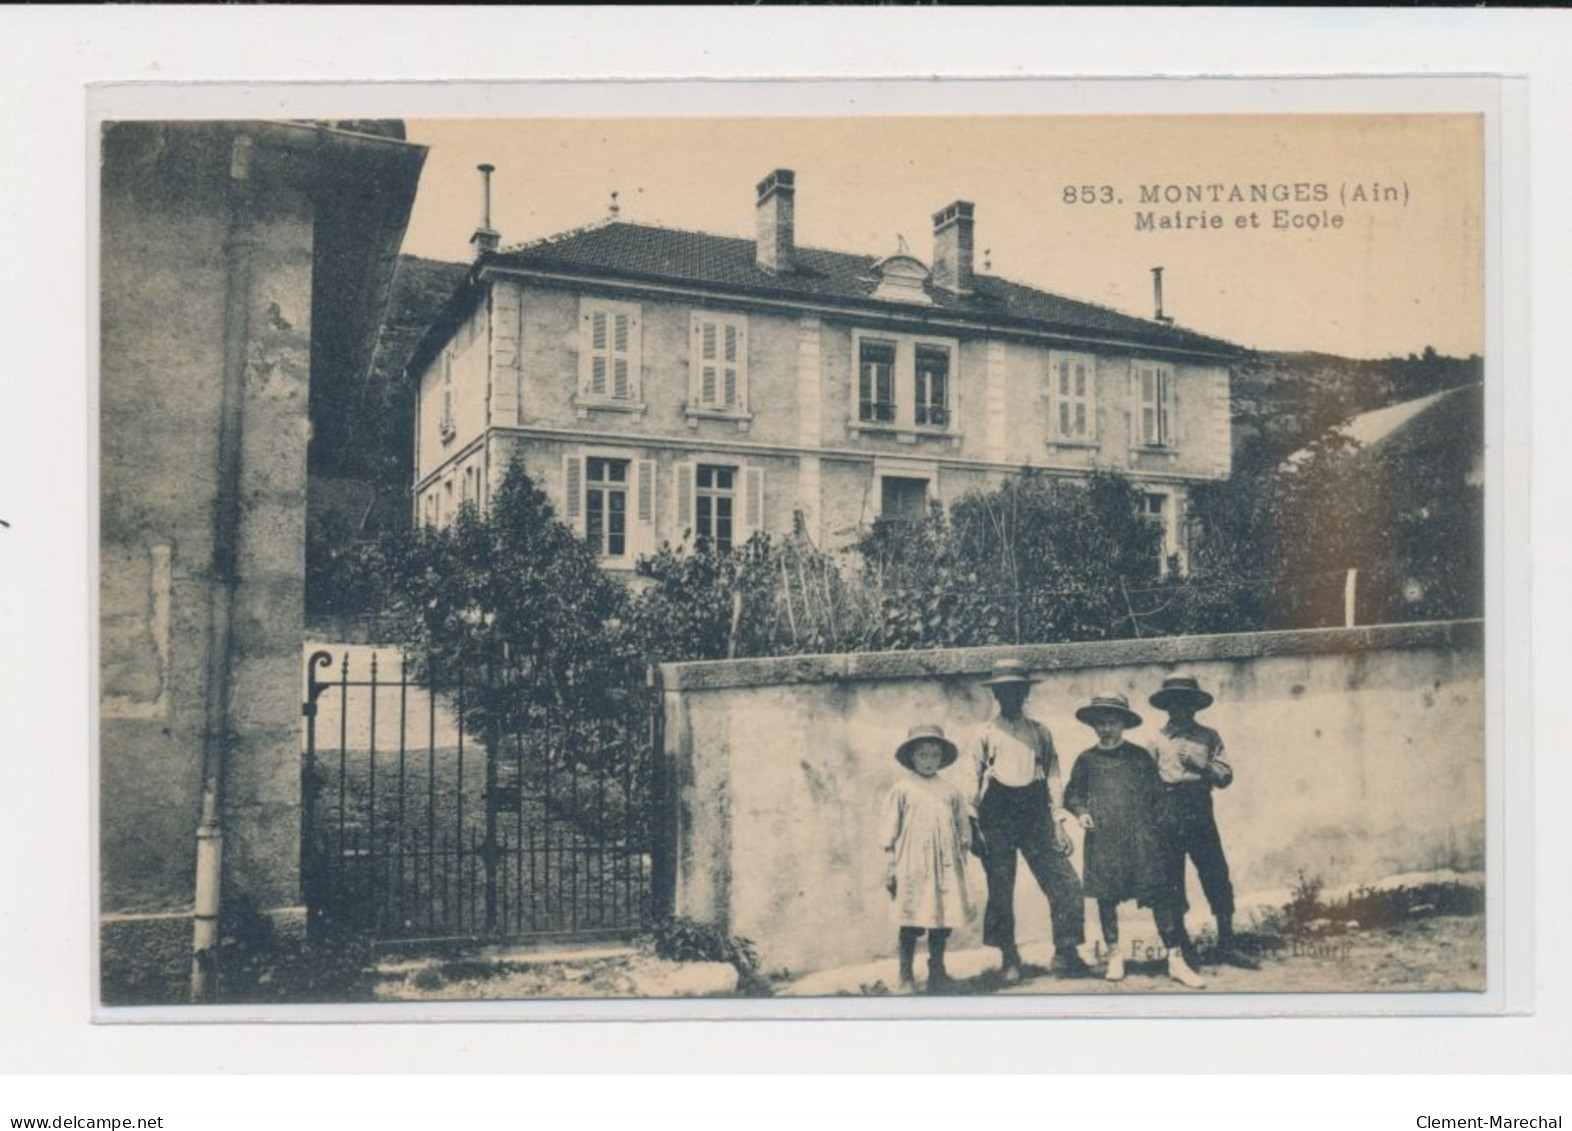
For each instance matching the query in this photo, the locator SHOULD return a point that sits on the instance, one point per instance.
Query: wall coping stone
(711, 675)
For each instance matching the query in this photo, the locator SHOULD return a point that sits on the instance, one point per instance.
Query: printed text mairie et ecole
(1210, 206)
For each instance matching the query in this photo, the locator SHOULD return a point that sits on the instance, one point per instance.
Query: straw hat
(1008, 671)
(1180, 690)
(926, 733)
(1103, 705)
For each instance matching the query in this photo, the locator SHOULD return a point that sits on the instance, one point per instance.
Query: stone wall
(163, 333)
(1359, 754)
(211, 264)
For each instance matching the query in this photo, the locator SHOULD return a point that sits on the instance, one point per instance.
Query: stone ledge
(713, 675)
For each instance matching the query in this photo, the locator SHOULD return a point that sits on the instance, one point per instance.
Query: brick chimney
(485, 238)
(776, 220)
(952, 248)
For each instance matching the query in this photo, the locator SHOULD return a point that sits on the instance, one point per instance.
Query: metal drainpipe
(238, 247)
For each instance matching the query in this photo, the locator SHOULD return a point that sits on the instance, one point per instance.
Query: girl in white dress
(926, 836)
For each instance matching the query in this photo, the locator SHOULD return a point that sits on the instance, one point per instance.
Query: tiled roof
(641, 253)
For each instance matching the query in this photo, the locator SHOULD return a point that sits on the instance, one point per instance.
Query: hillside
(361, 427)
(1282, 401)
(361, 434)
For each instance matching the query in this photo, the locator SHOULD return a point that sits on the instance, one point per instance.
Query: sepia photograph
(590, 558)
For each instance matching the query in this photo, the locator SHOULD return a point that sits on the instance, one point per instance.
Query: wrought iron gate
(414, 832)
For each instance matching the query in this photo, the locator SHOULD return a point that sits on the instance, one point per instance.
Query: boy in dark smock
(1114, 792)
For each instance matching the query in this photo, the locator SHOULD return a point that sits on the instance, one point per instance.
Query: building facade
(666, 386)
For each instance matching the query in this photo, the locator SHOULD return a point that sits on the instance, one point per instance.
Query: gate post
(662, 871)
(310, 874)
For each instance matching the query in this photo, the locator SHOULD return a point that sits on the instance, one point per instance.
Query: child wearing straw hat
(926, 837)
(1192, 762)
(1020, 811)
(1114, 792)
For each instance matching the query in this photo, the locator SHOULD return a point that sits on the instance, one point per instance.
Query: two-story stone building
(663, 384)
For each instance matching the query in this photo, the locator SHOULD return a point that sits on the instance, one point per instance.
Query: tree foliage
(1036, 559)
(517, 597)
(517, 604)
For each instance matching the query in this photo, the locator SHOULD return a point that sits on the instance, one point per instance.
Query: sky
(1367, 277)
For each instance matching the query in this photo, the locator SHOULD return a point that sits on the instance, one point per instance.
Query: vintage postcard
(982, 556)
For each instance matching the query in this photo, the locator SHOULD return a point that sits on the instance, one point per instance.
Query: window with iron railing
(876, 382)
(932, 404)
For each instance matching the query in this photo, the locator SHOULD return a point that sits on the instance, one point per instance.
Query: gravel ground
(605, 972)
(1440, 954)
(1444, 953)
(1423, 956)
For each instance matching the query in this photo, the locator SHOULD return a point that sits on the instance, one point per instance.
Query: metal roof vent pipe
(1157, 297)
(486, 238)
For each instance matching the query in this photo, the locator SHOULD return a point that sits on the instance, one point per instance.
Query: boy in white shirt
(1019, 808)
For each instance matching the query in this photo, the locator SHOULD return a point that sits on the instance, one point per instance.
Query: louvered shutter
(620, 388)
(1087, 372)
(632, 356)
(709, 368)
(644, 511)
(573, 492)
(752, 502)
(1132, 392)
(731, 369)
(1062, 399)
(598, 353)
(1164, 402)
(684, 529)
(1148, 406)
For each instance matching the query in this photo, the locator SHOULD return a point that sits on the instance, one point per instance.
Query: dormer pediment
(901, 278)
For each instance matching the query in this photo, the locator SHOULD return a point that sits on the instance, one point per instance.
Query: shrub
(1368, 908)
(259, 964)
(1304, 905)
(685, 940)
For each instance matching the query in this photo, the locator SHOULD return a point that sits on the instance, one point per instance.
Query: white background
(45, 837)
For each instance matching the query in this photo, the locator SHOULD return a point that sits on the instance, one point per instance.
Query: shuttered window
(606, 506)
(1072, 385)
(609, 361)
(445, 424)
(1154, 388)
(715, 502)
(609, 501)
(719, 363)
(719, 505)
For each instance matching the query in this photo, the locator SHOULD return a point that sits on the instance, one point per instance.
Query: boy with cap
(1019, 808)
(1191, 762)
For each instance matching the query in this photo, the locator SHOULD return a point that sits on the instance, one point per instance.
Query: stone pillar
(810, 426)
